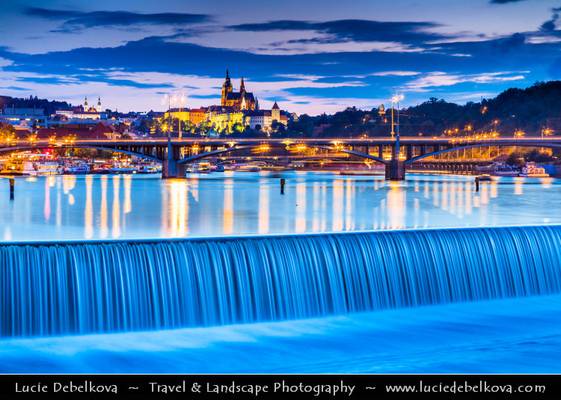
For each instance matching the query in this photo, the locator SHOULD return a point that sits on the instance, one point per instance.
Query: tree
(7, 131)
(277, 127)
(516, 159)
(238, 127)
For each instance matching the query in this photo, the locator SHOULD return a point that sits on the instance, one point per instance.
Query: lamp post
(547, 132)
(181, 100)
(395, 169)
(395, 133)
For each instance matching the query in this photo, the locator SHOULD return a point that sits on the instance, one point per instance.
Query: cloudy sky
(311, 56)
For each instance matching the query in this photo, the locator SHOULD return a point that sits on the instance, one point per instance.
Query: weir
(87, 287)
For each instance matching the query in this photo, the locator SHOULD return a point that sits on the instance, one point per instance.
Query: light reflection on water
(127, 206)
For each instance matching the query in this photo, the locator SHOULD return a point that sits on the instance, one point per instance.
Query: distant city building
(24, 118)
(264, 119)
(197, 115)
(236, 111)
(194, 116)
(84, 112)
(223, 119)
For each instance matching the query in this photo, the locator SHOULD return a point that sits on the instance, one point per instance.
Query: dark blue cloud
(205, 96)
(135, 84)
(414, 33)
(46, 80)
(18, 88)
(513, 53)
(75, 20)
(186, 58)
(505, 1)
(549, 26)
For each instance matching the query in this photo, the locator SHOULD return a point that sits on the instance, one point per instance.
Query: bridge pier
(395, 170)
(172, 169)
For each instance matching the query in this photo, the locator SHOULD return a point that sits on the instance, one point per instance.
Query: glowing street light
(395, 101)
(519, 133)
(547, 132)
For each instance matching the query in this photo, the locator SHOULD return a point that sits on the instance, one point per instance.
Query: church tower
(98, 104)
(275, 112)
(226, 89)
(242, 86)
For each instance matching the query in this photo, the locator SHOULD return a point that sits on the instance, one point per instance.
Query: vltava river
(144, 206)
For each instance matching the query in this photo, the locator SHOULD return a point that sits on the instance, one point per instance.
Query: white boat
(122, 170)
(77, 169)
(199, 168)
(502, 169)
(148, 169)
(251, 167)
(42, 167)
(531, 170)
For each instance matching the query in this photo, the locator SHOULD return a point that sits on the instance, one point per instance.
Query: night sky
(311, 56)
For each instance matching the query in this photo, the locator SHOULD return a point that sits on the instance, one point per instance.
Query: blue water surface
(511, 336)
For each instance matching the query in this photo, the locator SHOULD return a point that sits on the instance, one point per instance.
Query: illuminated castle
(241, 100)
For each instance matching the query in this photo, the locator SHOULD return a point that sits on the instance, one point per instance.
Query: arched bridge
(175, 154)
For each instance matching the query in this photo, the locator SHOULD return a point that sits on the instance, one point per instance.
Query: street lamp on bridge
(519, 133)
(395, 133)
(547, 132)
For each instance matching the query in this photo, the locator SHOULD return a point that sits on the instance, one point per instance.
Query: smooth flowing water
(99, 287)
(515, 335)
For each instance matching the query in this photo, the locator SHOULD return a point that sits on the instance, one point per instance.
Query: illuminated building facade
(264, 119)
(223, 119)
(242, 100)
(236, 111)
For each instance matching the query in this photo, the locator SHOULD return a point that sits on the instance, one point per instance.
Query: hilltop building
(265, 119)
(236, 111)
(85, 112)
(242, 100)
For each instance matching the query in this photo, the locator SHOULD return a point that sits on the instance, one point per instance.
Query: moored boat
(532, 170)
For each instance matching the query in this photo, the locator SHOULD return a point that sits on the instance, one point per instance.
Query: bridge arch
(483, 144)
(16, 149)
(234, 148)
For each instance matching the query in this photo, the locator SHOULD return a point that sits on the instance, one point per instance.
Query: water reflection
(228, 212)
(103, 229)
(116, 211)
(300, 220)
(263, 207)
(99, 207)
(47, 206)
(127, 205)
(176, 209)
(337, 205)
(396, 206)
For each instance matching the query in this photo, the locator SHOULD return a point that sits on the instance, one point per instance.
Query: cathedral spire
(242, 86)
(226, 89)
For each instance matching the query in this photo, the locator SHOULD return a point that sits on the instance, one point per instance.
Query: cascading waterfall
(77, 288)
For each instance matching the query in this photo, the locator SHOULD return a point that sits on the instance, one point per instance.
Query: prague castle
(237, 111)
(241, 100)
